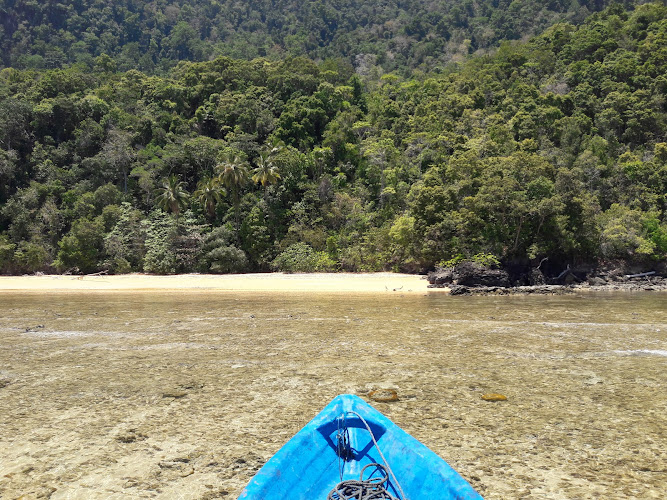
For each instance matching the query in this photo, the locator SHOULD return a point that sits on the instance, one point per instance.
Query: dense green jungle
(397, 35)
(173, 136)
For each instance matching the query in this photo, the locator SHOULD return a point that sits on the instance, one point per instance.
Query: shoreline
(258, 282)
(362, 283)
(614, 287)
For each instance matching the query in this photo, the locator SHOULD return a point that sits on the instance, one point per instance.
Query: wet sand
(186, 393)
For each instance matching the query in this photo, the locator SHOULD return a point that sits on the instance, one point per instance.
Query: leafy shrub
(31, 257)
(622, 234)
(160, 235)
(325, 263)
(301, 258)
(82, 247)
(657, 234)
(220, 255)
(457, 259)
(227, 259)
(483, 259)
(172, 245)
(486, 259)
(125, 243)
(6, 254)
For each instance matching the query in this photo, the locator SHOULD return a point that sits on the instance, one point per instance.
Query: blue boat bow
(314, 461)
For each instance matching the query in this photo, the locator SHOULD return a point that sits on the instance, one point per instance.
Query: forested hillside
(555, 147)
(152, 35)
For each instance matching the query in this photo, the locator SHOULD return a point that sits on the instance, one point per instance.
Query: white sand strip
(267, 282)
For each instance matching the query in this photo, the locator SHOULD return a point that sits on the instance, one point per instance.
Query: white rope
(370, 483)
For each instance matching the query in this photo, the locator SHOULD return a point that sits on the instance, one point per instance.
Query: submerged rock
(40, 492)
(494, 397)
(130, 436)
(384, 395)
(174, 393)
(459, 290)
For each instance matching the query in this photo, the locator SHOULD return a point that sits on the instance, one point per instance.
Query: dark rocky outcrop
(459, 290)
(468, 274)
(440, 277)
(537, 277)
(515, 290)
(473, 274)
(470, 278)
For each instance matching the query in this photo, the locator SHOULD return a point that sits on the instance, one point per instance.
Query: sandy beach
(268, 282)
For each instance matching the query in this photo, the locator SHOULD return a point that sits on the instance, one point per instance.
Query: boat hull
(307, 466)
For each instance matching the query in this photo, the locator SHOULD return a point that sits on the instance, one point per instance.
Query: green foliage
(554, 146)
(209, 194)
(457, 259)
(656, 233)
(301, 258)
(220, 254)
(124, 245)
(623, 233)
(81, 248)
(161, 232)
(484, 259)
(172, 245)
(266, 173)
(172, 196)
(6, 254)
(107, 36)
(256, 233)
(31, 257)
(234, 176)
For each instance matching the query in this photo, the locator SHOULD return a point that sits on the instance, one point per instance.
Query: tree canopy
(152, 36)
(553, 146)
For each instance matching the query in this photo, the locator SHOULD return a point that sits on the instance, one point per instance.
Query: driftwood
(564, 274)
(100, 273)
(640, 275)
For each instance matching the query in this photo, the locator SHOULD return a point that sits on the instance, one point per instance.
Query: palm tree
(234, 175)
(172, 197)
(209, 193)
(266, 172)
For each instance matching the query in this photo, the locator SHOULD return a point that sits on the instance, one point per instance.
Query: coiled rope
(362, 489)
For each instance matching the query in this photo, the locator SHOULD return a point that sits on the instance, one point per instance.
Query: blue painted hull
(307, 466)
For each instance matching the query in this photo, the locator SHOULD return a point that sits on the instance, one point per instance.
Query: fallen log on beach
(640, 275)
